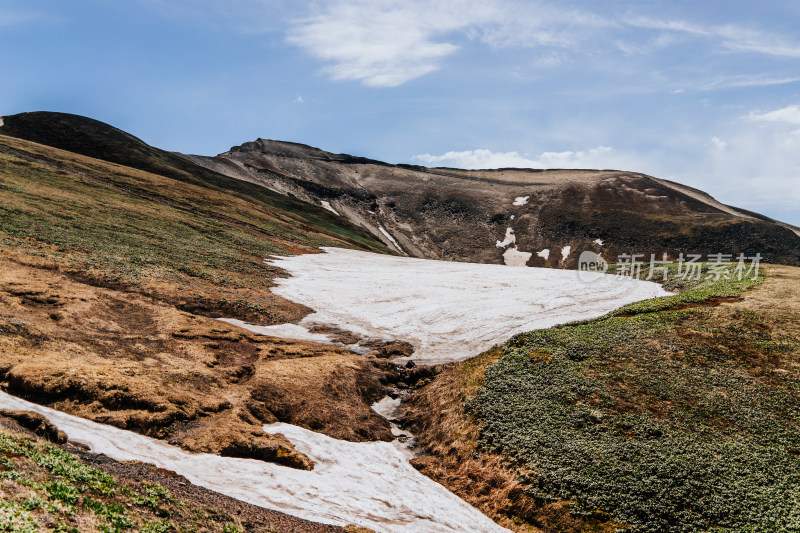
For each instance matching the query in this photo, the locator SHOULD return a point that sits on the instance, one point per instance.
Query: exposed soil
(136, 363)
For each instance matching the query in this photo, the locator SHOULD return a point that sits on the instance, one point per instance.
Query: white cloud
(299, 100)
(599, 157)
(549, 60)
(787, 115)
(380, 44)
(757, 169)
(718, 143)
(387, 43)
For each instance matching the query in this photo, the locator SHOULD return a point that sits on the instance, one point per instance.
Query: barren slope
(460, 215)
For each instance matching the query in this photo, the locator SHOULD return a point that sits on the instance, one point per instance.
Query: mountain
(92, 138)
(533, 217)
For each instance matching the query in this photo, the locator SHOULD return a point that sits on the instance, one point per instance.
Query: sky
(703, 93)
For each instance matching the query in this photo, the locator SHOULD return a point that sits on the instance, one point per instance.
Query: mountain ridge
(432, 213)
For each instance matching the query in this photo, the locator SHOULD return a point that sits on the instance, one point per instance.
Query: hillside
(111, 278)
(509, 215)
(670, 420)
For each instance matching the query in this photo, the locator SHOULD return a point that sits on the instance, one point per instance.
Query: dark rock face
(462, 215)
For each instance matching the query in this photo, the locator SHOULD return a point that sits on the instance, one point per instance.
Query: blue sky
(704, 93)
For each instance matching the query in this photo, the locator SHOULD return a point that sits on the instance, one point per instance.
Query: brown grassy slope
(140, 364)
(757, 335)
(106, 276)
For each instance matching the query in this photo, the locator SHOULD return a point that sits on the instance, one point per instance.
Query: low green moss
(666, 421)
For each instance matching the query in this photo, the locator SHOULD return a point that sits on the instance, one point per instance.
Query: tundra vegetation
(675, 414)
(45, 488)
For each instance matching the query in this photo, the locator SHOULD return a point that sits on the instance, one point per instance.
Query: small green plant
(15, 518)
(62, 492)
(163, 526)
(154, 496)
(114, 513)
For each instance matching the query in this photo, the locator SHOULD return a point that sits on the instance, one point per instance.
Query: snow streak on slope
(448, 311)
(369, 483)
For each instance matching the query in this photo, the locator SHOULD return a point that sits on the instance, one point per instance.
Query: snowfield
(370, 484)
(448, 311)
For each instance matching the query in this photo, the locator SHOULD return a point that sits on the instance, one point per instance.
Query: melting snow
(1, 122)
(286, 331)
(327, 205)
(367, 483)
(598, 242)
(391, 239)
(565, 253)
(389, 408)
(545, 254)
(513, 257)
(520, 200)
(449, 311)
(509, 240)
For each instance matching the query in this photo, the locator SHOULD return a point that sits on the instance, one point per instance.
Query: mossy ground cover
(681, 420)
(191, 244)
(45, 488)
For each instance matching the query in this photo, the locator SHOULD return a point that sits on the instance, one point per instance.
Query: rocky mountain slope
(516, 216)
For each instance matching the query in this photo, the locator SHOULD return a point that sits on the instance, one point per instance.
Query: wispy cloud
(10, 17)
(732, 37)
(381, 44)
(390, 42)
(787, 115)
(732, 82)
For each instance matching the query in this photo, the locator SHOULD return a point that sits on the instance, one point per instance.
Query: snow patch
(366, 483)
(509, 239)
(284, 331)
(512, 217)
(296, 332)
(565, 251)
(520, 200)
(513, 257)
(544, 254)
(1, 122)
(327, 205)
(598, 242)
(391, 239)
(449, 311)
